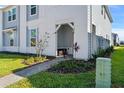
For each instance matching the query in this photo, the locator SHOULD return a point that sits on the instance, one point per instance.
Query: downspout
(90, 31)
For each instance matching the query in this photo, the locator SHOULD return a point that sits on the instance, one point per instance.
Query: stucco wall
(50, 16)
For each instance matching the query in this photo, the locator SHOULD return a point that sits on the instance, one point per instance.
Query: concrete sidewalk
(12, 78)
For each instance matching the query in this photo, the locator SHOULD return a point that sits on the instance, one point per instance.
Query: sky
(117, 12)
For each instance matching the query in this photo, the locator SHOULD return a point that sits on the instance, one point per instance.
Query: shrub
(37, 59)
(72, 66)
(29, 60)
(32, 60)
(103, 52)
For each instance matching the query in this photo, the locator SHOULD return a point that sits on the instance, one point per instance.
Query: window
(93, 28)
(11, 35)
(33, 38)
(9, 15)
(33, 9)
(11, 42)
(12, 14)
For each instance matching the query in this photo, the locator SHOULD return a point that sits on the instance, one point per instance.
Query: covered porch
(65, 39)
(10, 39)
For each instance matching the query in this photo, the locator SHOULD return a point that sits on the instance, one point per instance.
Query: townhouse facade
(88, 26)
(115, 39)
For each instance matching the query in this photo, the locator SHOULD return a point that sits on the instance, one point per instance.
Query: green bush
(103, 52)
(29, 60)
(72, 66)
(32, 60)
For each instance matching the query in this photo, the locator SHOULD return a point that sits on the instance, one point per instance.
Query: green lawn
(54, 80)
(49, 79)
(118, 67)
(10, 63)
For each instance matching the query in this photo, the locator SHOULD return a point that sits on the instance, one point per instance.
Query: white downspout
(1, 26)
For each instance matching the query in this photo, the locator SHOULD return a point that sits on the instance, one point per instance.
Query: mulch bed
(73, 66)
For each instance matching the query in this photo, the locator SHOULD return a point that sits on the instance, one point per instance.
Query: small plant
(71, 66)
(103, 52)
(29, 61)
(42, 44)
(33, 60)
(36, 59)
(76, 48)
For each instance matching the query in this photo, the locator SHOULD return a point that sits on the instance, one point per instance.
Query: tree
(42, 44)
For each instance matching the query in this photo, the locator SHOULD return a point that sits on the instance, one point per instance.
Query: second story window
(33, 9)
(9, 15)
(12, 14)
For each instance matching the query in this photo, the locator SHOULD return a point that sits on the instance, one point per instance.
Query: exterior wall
(48, 17)
(28, 13)
(77, 15)
(1, 30)
(103, 26)
(22, 47)
(11, 24)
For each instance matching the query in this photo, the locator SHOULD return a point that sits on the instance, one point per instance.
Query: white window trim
(14, 13)
(30, 11)
(13, 41)
(11, 15)
(30, 37)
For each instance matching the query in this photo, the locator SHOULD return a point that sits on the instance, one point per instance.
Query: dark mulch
(73, 66)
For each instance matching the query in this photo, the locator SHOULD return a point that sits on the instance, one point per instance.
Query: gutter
(108, 13)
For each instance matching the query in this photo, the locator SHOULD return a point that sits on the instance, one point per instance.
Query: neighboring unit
(115, 39)
(88, 26)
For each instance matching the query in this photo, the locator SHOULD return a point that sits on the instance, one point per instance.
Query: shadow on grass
(56, 80)
(46, 79)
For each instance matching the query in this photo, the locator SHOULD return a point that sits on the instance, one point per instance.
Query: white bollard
(103, 72)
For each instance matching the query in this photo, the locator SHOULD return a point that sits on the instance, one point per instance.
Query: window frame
(30, 37)
(31, 9)
(12, 37)
(11, 14)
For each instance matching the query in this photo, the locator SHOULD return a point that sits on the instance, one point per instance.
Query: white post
(1, 38)
(23, 28)
(103, 73)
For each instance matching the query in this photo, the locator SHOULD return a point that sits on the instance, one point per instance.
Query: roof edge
(108, 13)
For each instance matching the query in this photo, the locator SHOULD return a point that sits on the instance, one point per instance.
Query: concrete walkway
(12, 78)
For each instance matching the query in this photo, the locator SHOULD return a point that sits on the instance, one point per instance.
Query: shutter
(37, 34)
(27, 37)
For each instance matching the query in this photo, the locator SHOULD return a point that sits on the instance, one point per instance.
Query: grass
(10, 63)
(55, 80)
(118, 67)
(82, 80)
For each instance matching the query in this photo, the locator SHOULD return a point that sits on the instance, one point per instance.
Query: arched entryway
(65, 40)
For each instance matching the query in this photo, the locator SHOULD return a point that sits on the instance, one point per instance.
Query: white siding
(103, 26)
